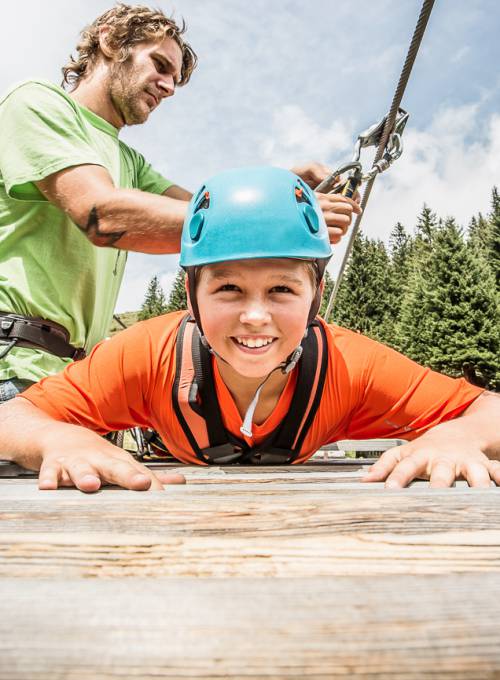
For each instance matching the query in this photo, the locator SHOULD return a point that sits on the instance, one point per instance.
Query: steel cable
(418, 34)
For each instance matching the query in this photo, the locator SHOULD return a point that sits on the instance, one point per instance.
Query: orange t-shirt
(370, 391)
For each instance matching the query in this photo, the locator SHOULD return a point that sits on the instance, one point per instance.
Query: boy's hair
(129, 25)
(310, 266)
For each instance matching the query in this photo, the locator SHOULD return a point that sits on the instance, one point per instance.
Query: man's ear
(189, 305)
(104, 42)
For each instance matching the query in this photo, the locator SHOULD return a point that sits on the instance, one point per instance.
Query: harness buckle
(6, 326)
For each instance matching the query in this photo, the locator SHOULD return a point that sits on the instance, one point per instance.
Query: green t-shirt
(48, 267)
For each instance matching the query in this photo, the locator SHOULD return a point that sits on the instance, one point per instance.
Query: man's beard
(127, 94)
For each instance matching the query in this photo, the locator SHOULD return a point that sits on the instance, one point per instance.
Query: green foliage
(450, 316)
(434, 295)
(361, 305)
(329, 284)
(154, 302)
(494, 240)
(178, 299)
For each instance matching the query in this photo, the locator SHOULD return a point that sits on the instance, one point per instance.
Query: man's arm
(468, 447)
(140, 221)
(70, 455)
(177, 192)
(123, 218)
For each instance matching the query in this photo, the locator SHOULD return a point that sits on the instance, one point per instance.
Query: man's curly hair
(129, 25)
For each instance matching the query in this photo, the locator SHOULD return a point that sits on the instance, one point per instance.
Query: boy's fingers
(170, 477)
(385, 464)
(477, 475)
(130, 475)
(494, 470)
(83, 475)
(443, 475)
(405, 471)
(48, 478)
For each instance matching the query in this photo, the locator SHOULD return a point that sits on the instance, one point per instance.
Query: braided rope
(418, 34)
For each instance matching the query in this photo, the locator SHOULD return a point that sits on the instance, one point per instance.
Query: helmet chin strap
(286, 367)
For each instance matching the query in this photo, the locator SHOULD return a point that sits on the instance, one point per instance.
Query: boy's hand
(441, 459)
(87, 461)
(337, 210)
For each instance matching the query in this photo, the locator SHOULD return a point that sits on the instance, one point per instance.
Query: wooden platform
(297, 572)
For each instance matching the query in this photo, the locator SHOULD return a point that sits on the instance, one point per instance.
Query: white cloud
(296, 135)
(460, 54)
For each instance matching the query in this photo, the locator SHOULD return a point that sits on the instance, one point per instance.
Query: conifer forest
(432, 293)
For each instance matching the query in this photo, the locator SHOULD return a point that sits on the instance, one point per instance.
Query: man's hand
(337, 210)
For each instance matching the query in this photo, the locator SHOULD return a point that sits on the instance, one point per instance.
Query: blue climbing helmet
(256, 212)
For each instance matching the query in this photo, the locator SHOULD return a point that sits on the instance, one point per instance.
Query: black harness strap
(25, 331)
(224, 447)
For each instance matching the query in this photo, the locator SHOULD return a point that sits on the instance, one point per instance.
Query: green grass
(128, 318)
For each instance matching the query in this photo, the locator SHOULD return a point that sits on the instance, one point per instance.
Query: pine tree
(177, 299)
(494, 242)
(361, 303)
(400, 252)
(329, 284)
(479, 234)
(154, 302)
(427, 224)
(450, 319)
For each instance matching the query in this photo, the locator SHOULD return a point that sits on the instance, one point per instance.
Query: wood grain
(276, 573)
(390, 627)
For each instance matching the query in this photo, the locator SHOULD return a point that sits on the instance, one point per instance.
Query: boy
(253, 375)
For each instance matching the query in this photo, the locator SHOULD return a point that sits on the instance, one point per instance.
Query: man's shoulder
(35, 89)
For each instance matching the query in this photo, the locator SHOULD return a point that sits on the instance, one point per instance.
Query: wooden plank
(411, 627)
(285, 573)
(153, 556)
(249, 530)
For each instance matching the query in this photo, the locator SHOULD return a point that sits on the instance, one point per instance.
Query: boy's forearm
(482, 419)
(479, 426)
(23, 428)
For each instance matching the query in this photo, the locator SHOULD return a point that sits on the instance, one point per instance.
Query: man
(253, 376)
(74, 199)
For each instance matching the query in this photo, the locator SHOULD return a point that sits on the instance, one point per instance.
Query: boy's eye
(227, 287)
(281, 289)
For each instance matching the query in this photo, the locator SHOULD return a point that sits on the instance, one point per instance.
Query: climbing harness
(25, 331)
(198, 412)
(387, 134)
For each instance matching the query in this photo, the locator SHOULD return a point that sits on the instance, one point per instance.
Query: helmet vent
(202, 200)
(302, 193)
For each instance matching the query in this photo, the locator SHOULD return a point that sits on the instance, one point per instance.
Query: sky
(282, 82)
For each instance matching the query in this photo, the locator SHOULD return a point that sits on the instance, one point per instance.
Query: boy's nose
(255, 314)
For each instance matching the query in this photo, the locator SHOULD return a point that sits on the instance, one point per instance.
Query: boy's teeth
(251, 342)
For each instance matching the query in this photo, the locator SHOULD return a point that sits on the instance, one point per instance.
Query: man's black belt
(36, 333)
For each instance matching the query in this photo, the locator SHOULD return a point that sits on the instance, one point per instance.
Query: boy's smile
(255, 344)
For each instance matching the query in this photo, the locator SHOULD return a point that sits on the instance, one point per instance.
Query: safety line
(418, 34)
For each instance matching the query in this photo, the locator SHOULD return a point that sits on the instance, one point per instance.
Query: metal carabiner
(370, 137)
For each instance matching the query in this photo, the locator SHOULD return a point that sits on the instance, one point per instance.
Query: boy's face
(254, 312)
